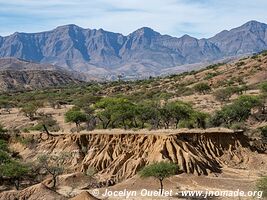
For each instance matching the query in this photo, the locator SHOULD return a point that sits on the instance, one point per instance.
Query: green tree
(116, 111)
(199, 119)
(202, 88)
(11, 168)
(166, 114)
(53, 165)
(238, 111)
(29, 110)
(148, 112)
(86, 101)
(123, 112)
(4, 155)
(104, 111)
(160, 171)
(76, 116)
(15, 171)
(223, 95)
(180, 111)
(90, 118)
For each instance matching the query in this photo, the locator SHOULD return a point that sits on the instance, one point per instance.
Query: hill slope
(18, 74)
(142, 53)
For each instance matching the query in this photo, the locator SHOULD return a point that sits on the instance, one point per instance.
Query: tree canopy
(160, 171)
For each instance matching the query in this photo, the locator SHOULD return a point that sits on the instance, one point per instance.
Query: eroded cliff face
(117, 157)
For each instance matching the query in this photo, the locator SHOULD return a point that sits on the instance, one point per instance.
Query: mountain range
(104, 55)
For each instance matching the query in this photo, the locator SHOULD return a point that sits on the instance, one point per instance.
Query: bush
(202, 88)
(263, 87)
(91, 171)
(9, 167)
(2, 129)
(238, 126)
(76, 116)
(15, 171)
(238, 111)
(262, 185)
(29, 110)
(211, 75)
(239, 64)
(53, 165)
(223, 94)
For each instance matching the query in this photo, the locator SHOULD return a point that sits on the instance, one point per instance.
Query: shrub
(91, 171)
(29, 110)
(238, 111)
(15, 171)
(262, 185)
(9, 167)
(211, 75)
(202, 88)
(263, 87)
(53, 165)
(223, 94)
(238, 64)
(2, 129)
(76, 116)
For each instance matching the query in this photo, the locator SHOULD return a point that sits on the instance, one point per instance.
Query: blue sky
(198, 18)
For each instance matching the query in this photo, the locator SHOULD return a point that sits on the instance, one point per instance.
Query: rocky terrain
(143, 53)
(211, 157)
(119, 156)
(221, 154)
(208, 159)
(18, 74)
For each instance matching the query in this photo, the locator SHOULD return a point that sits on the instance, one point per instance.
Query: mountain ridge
(18, 75)
(140, 54)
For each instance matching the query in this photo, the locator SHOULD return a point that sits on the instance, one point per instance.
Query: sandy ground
(137, 188)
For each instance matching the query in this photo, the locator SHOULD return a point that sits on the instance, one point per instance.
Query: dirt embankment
(117, 157)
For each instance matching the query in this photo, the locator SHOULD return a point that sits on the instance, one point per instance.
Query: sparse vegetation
(76, 116)
(262, 185)
(53, 165)
(30, 110)
(224, 94)
(202, 88)
(160, 171)
(238, 111)
(11, 168)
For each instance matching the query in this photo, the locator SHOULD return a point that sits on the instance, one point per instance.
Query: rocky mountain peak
(143, 52)
(145, 31)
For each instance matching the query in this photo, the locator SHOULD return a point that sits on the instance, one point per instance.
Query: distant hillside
(145, 52)
(17, 74)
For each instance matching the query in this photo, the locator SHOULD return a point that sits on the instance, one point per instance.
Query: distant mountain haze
(102, 54)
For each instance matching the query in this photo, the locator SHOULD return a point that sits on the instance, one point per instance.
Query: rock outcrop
(117, 157)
